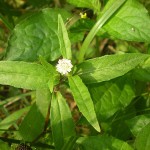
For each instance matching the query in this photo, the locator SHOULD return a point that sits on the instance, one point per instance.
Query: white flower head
(64, 66)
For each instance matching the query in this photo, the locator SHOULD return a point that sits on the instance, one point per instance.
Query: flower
(83, 15)
(64, 66)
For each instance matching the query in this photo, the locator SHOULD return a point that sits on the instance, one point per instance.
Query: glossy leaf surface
(83, 100)
(110, 97)
(65, 45)
(36, 35)
(137, 123)
(23, 75)
(108, 67)
(131, 25)
(61, 120)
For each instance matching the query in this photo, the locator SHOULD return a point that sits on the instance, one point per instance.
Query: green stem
(114, 7)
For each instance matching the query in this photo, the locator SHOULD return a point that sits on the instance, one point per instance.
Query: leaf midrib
(108, 67)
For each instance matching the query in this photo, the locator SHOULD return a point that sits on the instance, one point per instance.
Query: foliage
(103, 103)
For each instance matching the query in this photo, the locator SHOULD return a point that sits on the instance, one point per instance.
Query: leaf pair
(61, 119)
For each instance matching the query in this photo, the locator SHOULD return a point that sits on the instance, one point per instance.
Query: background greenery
(104, 103)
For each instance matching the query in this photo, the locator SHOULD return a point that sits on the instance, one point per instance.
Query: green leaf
(112, 9)
(4, 146)
(11, 119)
(52, 73)
(131, 25)
(32, 125)
(103, 142)
(108, 67)
(137, 123)
(61, 120)
(110, 97)
(36, 35)
(83, 100)
(143, 71)
(23, 75)
(143, 139)
(43, 97)
(36, 119)
(92, 4)
(117, 123)
(65, 45)
(49, 68)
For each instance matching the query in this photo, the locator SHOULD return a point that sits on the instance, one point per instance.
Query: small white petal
(64, 66)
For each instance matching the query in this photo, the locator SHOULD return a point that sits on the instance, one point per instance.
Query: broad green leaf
(36, 35)
(137, 123)
(142, 141)
(83, 100)
(61, 120)
(143, 71)
(4, 146)
(32, 125)
(92, 4)
(11, 119)
(131, 25)
(103, 142)
(65, 45)
(23, 75)
(110, 97)
(108, 67)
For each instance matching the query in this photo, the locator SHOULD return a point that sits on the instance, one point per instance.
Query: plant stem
(114, 7)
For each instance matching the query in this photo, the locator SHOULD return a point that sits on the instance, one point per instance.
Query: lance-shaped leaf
(34, 122)
(43, 97)
(65, 45)
(52, 73)
(32, 125)
(61, 120)
(83, 100)
(108, 67)
(23, 75)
